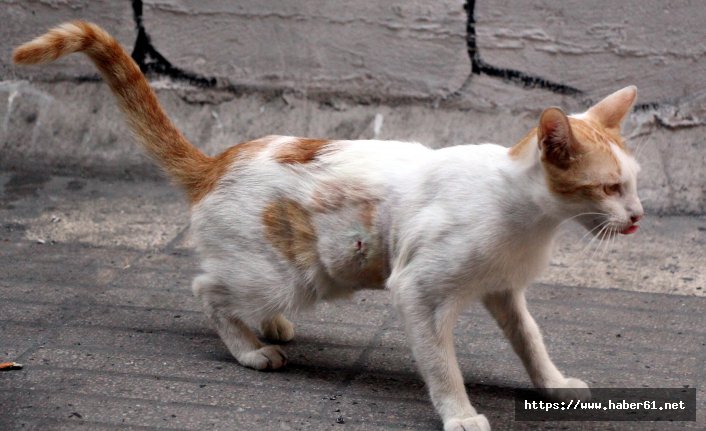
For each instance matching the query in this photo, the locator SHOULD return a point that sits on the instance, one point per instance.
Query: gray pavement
(95, 302)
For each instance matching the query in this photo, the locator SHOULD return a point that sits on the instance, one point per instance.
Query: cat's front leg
(429, 328)
(509, 308)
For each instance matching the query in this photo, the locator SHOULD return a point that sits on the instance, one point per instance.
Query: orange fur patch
(368, 212)
(587, 133)
(523, 144)
(300, 150)
(595, 134)
(374, 269)
(218, 166)
(594, 166)
(289, 228)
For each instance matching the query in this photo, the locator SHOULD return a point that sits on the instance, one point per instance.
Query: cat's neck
(531, 207)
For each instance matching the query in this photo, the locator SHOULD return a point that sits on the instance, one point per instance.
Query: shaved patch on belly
(348, 246)
(371, 257)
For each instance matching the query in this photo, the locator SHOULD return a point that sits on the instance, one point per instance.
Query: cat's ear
(612, 110)
(556, 141)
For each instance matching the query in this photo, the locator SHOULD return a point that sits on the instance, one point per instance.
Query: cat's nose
(636, 218)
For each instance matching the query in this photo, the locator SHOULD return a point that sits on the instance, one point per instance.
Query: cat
(282, 222)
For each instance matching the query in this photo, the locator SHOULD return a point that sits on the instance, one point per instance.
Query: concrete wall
(441, 72)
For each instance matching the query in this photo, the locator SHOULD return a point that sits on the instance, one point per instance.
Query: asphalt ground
(95, 302)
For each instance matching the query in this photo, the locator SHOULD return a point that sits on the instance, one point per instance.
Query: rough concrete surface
(655, 44)
(95, 301)
(27, 19)
(39, 133)
(443, 73)
(419, 46)
(95, 261)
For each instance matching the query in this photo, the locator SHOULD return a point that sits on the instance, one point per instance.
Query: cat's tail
(184, 163)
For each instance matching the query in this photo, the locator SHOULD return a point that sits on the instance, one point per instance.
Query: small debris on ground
(9, 366)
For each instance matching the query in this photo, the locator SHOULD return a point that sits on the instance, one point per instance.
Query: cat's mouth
(603, 228)
(630, 229)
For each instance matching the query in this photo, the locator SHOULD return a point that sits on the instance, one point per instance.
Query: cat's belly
(350, 248)
(339, 243)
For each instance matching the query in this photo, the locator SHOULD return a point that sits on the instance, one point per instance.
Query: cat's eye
(612, 189)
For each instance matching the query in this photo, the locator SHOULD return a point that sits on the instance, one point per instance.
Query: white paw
(264, 358)
(278, 329)
(474, 423)
(569, 389)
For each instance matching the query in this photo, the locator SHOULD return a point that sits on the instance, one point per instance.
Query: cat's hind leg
(278, 329)
(243, 344)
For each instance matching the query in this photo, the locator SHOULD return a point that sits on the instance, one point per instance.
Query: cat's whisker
(593, 237)
(598, 240)
(605, 239)
(613, 242)
(608, 243)
(588, 246)
(601, 238)
(598, 252)
(582, 214)
(583, 250)
(638, 151)
(587, 234)
(589, 241)
(594, 228)
(640, 147)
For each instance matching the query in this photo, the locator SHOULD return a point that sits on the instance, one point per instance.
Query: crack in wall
(480, 67)
(151, 61)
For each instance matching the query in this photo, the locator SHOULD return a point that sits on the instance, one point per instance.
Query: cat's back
(313, 201)
(301, 168)
(325, 176)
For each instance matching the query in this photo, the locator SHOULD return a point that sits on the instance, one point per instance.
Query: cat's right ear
(556, 141)
(611, 111)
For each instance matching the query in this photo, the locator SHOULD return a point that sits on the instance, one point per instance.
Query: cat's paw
(569, 389)
(278, 329)
(265, 358)
(473, 423)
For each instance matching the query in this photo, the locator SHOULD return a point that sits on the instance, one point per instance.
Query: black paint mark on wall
(649, 106)
(480, 67)
(151, 61)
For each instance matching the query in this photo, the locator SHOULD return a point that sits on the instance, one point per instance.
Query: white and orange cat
(282, 222)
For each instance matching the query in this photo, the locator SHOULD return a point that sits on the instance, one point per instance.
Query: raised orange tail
(184, 163)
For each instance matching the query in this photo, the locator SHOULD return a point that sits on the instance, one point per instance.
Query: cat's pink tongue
(631, 229)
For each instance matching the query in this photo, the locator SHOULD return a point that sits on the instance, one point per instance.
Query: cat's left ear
(611, 111)
(555, 138)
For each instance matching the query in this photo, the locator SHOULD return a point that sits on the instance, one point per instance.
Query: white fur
(453, 225)
(459, 223)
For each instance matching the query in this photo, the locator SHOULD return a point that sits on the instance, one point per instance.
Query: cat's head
(588, 167)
